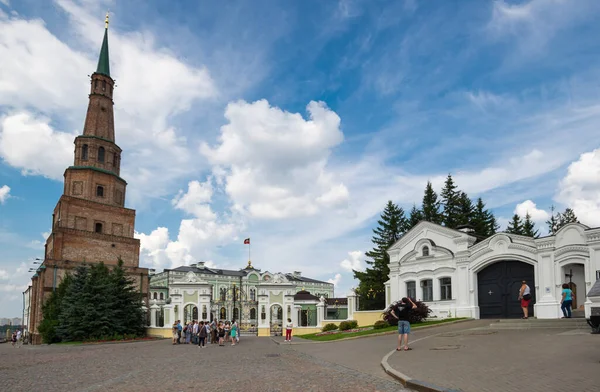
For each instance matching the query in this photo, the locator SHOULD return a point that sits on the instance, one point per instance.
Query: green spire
(103, 63)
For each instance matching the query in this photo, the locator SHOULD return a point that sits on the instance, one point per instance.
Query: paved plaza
(258, 364)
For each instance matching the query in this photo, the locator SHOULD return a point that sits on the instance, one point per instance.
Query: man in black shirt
(400, 311)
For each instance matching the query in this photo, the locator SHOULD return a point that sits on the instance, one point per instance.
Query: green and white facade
(259, 301)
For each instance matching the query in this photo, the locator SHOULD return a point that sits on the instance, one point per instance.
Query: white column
(295, 310)
(352, 304)
(320, 313)
(153, 310)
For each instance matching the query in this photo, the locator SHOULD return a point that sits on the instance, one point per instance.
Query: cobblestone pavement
(483, 360)
(257, 364)
(365, 354)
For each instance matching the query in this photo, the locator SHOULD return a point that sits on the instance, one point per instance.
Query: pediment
(431, 231)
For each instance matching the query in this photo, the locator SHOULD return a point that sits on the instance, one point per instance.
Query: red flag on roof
(247, 241)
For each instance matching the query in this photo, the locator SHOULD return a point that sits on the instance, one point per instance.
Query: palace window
(84, 152)
(204, 313)
(223, 314)
(101, 154)
(235, 313)
(425, 251)
(100, 191)
(155, 296)
(223, 294)
(446, 288)
(253, 314)
(252, 294)
(411, 290)
(98, 228)
(162, 296)
(427, 288)
(263, 314)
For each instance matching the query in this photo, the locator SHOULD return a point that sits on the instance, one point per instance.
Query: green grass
(339, 336)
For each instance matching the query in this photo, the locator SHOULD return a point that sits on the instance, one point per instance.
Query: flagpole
(249, 259)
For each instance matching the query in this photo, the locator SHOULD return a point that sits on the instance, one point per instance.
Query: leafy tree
(415, 217)
(466, 210)
(529, 229)
(371, 289)
(430, 209)
(451, 202)
(515, 226)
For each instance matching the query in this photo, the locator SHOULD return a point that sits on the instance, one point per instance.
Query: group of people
(205, 332)
(566, 300)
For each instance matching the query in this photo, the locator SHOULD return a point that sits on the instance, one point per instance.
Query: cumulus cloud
(536, 214)
(29, 143)
(580, 188)
(354, 262)
(335, 280)
(3, 274)
(197, 236)
(274, 163)
(4, 193)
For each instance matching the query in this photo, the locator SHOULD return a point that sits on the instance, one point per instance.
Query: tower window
(98, 228)
(104, 85)
(425, 251)
(101, 154)
(115, 159)
(84, 152)
(100, 191)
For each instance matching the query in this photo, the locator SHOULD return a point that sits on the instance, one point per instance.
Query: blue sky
(293, 123)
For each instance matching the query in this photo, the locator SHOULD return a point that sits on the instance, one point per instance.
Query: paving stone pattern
(257, 364)
(484, 360)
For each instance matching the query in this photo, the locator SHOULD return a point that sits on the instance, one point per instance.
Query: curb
(377, 334)
(411, 383)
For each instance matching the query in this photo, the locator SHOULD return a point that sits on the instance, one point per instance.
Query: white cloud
(528, 206)
(197, 237)
(29, 143)
(354, 262)
(5, 2)
(335, 280)
(4, 193)
(3, 274)
(580, 188)
(274, 163)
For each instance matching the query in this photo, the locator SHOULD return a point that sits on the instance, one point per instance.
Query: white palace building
(460, 275)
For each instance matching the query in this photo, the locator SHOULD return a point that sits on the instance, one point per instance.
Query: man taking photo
(400, 311)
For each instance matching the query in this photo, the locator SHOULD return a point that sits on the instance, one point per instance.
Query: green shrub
(415, 316)
(329, 327)
(349, 324)
(381, 324)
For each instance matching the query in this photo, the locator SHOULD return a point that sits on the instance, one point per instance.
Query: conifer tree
(450, 200)
(493, 225)
(391, 226)
(466, 210)
(515, 226)
(70, 326)
(529, 229)
(567, 217)
(430, 208)
(415, 217)
(553, 222)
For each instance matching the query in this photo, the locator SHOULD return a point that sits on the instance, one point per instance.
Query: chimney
(297, 274)
(200, 265)
(194, 265)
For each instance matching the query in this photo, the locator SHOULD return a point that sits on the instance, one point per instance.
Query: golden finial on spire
(106, 21)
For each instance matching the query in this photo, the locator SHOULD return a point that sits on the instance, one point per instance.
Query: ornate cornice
(545, 244)
(522, 247)
(572, 248)
(96, 169)
(95, 204)
(91, 234)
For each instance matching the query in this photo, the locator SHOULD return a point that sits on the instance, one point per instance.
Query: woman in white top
(525, 298)
(288, 330)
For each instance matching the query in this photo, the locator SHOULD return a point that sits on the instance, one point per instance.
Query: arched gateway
(498, 289)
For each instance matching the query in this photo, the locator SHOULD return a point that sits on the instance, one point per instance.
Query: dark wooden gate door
(498, 289)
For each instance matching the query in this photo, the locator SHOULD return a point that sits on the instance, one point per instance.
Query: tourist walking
(201, 334)
(13, 338)
(227, 328)
(566, 301)
(525, 298)
(288, 330)
(401, 312)
(233, 332)
(179, 329)
(19, 340)
(221, 334)
(188, 333)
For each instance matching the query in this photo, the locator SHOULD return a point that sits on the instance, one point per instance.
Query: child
(201, 334)
(175, 333)
(221, 332)
(288, 330)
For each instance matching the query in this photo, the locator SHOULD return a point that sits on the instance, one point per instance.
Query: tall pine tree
(415, 217)
(515, 226)
(567, 217)
(430, 208)
(529, 229)
(553, 221)
(451, 202)
(371, 289)
(466, 210)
